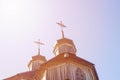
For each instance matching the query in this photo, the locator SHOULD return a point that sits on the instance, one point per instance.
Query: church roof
(64, 40)
(24, 75)
(37, 57)
(71, 57)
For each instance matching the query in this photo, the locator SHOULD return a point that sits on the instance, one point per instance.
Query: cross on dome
(39, 43)
(62, 26)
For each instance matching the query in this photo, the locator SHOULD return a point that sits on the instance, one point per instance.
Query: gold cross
(62, 26)
(39, 43)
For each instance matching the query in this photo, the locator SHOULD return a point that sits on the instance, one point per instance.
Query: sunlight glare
(10, 8)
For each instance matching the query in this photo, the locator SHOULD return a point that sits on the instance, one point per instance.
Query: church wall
(69, 70)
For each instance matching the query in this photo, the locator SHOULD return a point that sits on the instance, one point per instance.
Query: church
(65, 65)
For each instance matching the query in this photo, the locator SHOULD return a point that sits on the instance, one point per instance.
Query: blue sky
(93, 25)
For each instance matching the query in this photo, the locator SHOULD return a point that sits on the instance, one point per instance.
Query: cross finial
(62, 26)
(39, 43)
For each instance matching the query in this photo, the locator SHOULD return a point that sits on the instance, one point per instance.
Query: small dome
(36, 61)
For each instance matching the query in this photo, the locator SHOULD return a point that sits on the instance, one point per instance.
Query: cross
(62, 26)
(39, 43)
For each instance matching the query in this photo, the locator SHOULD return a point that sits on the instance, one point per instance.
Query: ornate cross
(39, 43)
(62, 26)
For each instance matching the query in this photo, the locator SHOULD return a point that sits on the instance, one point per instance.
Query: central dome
(64, 45)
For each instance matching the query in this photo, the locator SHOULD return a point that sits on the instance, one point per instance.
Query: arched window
(80, 75)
